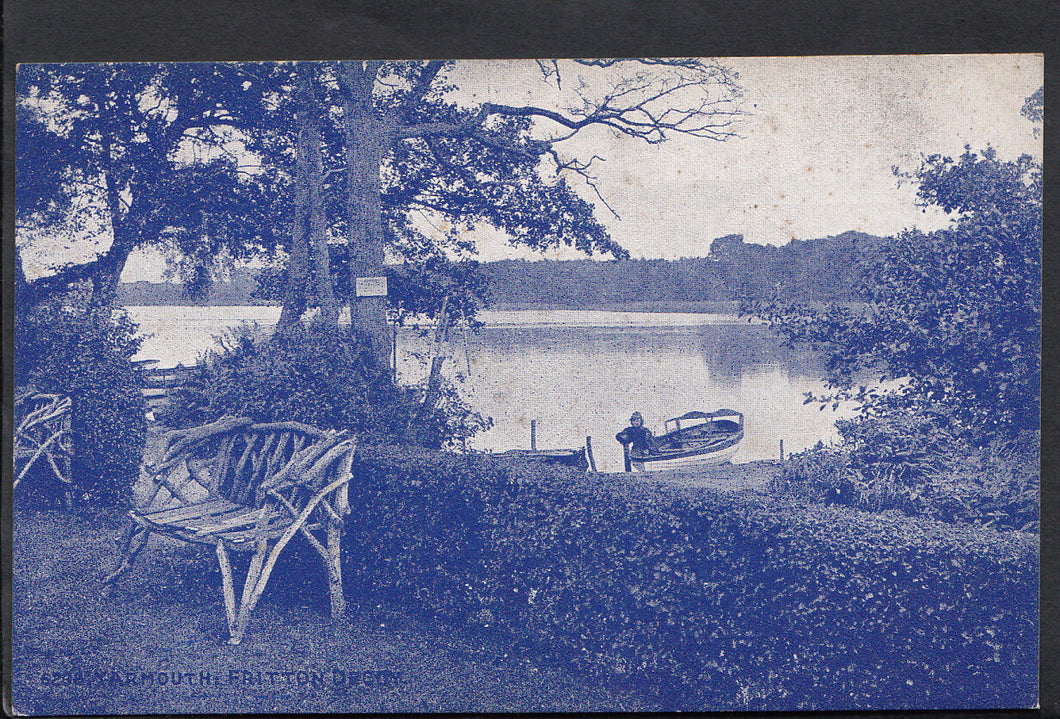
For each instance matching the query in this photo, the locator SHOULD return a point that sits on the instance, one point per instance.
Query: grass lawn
(156, 646)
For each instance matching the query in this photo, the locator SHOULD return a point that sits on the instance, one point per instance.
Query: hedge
(707, 600)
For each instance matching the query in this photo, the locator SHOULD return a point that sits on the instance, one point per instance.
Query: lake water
(579, 373)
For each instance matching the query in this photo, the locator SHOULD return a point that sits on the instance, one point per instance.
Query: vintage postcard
(652, 384)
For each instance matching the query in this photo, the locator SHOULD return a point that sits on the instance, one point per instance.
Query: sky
(813, 158)
(816, 150)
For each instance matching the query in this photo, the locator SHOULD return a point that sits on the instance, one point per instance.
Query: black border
(170, 30)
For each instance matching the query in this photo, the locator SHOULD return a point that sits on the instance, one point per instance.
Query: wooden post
(533, 435)
(625, 454)
(393, 349)
(589, 452)
(781, 450)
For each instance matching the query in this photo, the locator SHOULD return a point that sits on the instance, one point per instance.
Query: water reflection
(579, 381)
(583, 379)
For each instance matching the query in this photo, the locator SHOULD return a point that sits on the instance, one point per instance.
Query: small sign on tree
(371, 286)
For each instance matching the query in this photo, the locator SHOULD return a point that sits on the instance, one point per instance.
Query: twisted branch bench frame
(43, 431)
(242, 486)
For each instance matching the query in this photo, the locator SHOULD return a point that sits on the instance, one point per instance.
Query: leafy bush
(920, 465)
(87, 356)
(708, 600)
(317, 374)
(952, 317)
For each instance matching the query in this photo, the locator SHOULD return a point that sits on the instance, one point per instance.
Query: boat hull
(662, 462)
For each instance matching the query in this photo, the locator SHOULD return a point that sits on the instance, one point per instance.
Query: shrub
(708, 600)
(318, 374)
(918, 464)
(87, 356)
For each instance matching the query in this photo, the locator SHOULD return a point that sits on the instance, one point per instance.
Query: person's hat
(636, 415)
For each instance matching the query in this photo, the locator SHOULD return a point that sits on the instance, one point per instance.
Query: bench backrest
(239, 461)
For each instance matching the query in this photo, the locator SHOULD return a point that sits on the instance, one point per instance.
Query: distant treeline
(824, 269)
(820, 270)
(239, 290)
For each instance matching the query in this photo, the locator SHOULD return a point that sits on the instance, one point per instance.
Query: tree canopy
(133, 155)
(352, 162)
(953, 317)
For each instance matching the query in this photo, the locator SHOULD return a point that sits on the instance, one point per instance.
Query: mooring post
(781, 450)
(589, 451)
(533, 435)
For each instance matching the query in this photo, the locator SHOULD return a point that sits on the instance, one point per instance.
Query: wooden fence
(160, 383)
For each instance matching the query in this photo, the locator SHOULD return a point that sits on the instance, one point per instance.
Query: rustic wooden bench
(42, 431)
(242, 486)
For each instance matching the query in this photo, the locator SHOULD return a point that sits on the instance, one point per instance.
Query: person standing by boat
(636, 437)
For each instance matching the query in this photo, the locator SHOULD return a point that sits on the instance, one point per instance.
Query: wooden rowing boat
(694, 438)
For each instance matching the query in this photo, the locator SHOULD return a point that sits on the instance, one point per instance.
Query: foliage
(415, 290)
(921, 466)
(1034, 108)
(142, 152)
(708, 600)
(86, 356)
(317, 374)
(954, 315)
(812, 270)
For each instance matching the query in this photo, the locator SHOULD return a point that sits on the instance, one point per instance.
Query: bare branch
(648, 100)
(549, 69)
(582, 169)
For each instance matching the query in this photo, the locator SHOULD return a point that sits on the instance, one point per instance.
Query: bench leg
(133, 540)
(333, 564)
(252, 589)
(226, 587)
(260, 569)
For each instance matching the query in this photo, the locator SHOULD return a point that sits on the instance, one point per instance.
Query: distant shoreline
(816, 271)
(724, 307)
(693, 306)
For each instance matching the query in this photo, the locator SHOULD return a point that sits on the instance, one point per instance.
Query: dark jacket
(639, 437)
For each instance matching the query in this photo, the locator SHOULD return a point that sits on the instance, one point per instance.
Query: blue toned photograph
(659, 384)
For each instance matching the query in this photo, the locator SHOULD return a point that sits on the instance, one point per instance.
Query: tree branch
(35, 292)
(428, 73)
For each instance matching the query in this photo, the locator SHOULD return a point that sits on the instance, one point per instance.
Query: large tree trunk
(294, 295)
(329, 309)
(108, 273)
(367, 140)
(313, 163)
